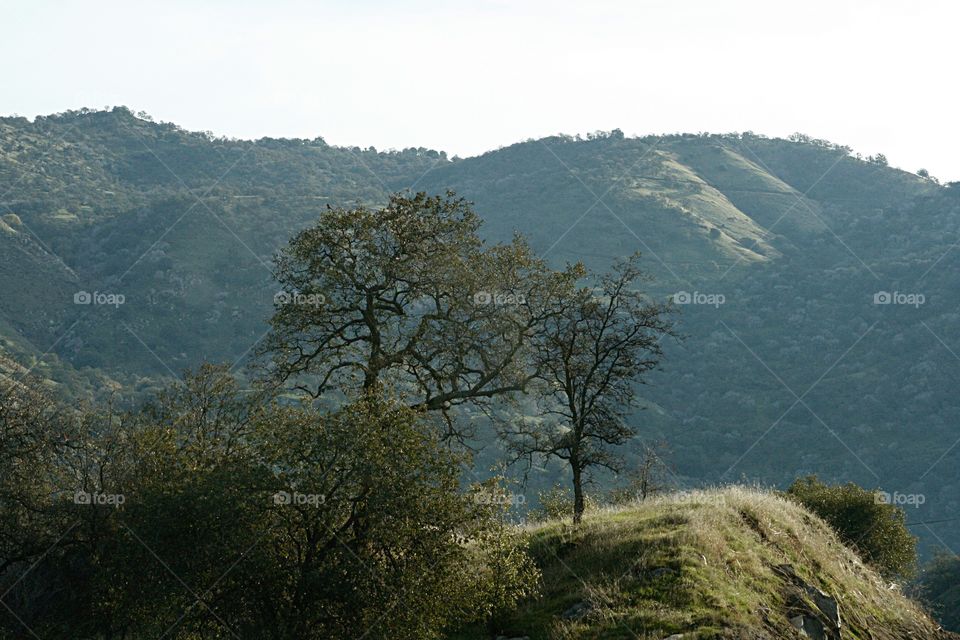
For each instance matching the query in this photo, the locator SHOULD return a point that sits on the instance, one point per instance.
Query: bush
(557, 504)
(503, 572)
(287, 522)
(939, 588)
(649, 477)
(863, 521)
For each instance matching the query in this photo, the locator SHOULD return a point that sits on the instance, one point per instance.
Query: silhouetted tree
(599, 345)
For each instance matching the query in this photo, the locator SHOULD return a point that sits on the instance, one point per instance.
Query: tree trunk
(577, 494)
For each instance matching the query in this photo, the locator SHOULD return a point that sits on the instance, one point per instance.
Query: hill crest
(727, 563)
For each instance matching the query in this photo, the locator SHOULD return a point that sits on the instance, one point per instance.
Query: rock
(809, 627)
(576, 612)
(824, 602)
(828, 606)
(656, 572)
(676, 636)
(787, 571)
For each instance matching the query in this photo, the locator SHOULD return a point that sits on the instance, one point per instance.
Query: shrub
(649, 477)
(939, 588)
(557, 504)
(863, 521)
(288, 522)
(503, 573)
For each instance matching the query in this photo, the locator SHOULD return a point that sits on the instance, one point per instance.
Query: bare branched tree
(600, 344)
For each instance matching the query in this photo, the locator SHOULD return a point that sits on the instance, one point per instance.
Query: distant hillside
(181, 224)
(730, 564)
(793, 369)
(698, 203)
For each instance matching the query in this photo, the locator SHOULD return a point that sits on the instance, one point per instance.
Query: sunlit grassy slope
(705, 565)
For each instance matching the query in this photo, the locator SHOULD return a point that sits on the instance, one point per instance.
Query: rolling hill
(736, 563)
(791, 369)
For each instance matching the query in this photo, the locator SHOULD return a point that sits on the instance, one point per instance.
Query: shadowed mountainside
(788, 368)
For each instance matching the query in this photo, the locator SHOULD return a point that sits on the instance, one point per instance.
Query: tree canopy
(410, 296)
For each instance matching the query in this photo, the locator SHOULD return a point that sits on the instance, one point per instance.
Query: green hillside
(796, 372)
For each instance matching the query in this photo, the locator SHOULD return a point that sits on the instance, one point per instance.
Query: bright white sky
(466, 77)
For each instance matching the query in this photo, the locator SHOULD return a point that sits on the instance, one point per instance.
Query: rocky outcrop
(813, 612)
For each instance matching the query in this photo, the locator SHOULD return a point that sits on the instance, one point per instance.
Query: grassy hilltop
(730, 563)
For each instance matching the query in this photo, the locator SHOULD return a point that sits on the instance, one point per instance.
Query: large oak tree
(409, 295)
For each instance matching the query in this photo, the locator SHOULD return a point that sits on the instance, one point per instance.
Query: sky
(467, 77)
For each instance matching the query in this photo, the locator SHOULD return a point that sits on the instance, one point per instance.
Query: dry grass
(702, 564)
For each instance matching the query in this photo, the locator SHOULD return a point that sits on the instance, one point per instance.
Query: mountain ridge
(796, 235)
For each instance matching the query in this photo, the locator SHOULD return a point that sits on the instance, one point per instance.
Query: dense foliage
(212, 513)
(409, 295)
(863, 521)
(939, 588)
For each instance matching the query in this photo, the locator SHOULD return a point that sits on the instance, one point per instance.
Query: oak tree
(410, 296)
